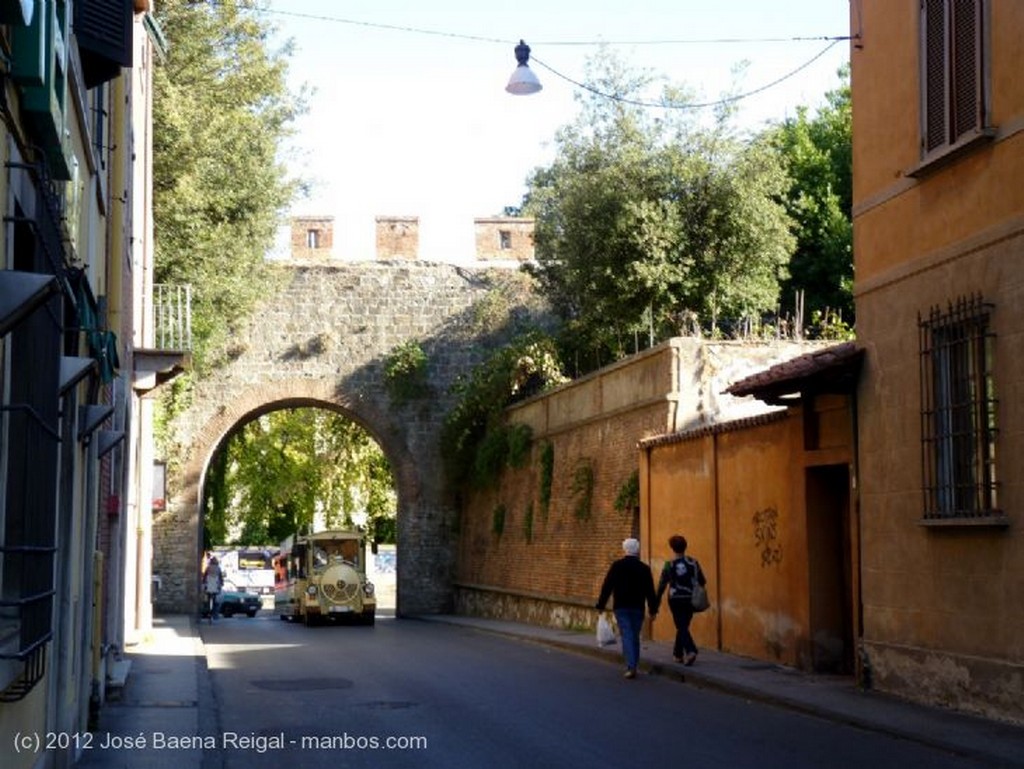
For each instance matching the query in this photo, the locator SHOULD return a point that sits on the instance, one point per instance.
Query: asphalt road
(408, 693)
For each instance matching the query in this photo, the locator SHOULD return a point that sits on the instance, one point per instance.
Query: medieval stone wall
(322, 340)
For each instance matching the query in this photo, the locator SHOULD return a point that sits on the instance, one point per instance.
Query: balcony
(170, 354)
(172, 317)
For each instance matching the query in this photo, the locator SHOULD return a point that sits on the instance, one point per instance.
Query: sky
(408, 115)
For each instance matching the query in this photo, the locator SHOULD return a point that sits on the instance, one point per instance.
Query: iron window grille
(958, 413)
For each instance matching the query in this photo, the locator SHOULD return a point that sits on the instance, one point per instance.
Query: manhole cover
(302, 684)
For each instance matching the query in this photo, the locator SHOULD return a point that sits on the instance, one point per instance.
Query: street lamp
(523, 81)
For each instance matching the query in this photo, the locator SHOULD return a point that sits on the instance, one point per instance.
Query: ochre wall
(896, 215)
(941, 606)
(736, 496)
(738, 492)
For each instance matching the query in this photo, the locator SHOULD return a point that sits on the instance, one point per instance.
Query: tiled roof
(832, 369)
(718, 428)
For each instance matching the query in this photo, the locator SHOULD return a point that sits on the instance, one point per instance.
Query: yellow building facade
(75, 279)
(938, 153)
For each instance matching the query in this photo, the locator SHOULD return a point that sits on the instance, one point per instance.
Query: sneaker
(690, 659)
(630, 673)
(679, 659)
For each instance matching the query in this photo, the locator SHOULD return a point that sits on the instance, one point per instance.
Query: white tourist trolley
(321, 577)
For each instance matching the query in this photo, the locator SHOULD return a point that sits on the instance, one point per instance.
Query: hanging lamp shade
(523, 81)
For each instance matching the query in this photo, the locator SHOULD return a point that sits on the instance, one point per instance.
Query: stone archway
(307, 394)
(322, 339)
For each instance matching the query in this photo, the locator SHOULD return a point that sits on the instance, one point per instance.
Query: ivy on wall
(628, 498)
(498, 519)
(583, 488)
(506, 445)
(547, 475)
(475, 442)
(405, 372)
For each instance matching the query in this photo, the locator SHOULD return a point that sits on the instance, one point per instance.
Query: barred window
(958, 413)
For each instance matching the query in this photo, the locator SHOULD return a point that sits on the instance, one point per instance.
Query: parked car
(235, 602)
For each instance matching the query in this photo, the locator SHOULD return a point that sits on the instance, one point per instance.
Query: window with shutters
(104, 32)
(953, 74)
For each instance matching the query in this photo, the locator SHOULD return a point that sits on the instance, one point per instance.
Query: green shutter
(103, 29)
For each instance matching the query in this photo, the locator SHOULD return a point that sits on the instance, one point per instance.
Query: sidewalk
(830, 697)
(166, 685)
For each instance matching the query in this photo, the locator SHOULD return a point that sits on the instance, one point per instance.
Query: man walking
(630, 583)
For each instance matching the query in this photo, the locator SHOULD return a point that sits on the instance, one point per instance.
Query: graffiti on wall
(766, 535)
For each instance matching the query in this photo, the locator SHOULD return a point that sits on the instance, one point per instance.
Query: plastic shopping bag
(605, 634)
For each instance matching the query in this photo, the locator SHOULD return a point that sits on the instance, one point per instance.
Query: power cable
(832, 40)
(704, 105)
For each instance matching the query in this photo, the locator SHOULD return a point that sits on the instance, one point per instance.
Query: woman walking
(679, 576)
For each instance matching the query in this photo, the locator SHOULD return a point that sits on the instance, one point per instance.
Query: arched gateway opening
(413, 594)
(291, 469)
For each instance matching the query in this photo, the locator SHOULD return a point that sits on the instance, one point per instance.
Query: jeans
(630, 621)
(682, 615)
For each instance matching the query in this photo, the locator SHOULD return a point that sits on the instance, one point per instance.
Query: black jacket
(631, 584)
(679, 576)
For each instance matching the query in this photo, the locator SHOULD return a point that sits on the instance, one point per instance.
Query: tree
(289, 468)
(221, 111)
(646, 215)
(817, 152)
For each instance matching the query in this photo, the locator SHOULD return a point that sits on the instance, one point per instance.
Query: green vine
(528, 522)
(405, 372)
(547, 475)
(503, 446)
(520, 439)
(498, 520)
(583, 489)
(475, 425)
(628, 498)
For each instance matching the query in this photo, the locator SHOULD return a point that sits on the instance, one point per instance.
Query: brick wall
(504, 237)
(312, 237)
(398, 237)
(547, 567)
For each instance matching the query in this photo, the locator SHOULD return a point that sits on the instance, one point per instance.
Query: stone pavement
(168, 692)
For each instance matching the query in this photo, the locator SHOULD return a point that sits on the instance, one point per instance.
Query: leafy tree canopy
(646, 216)
(817, 152)
(221, 110)
(289, 469)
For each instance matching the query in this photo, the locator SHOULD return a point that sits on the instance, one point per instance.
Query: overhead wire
(689, 105)
(832, 41)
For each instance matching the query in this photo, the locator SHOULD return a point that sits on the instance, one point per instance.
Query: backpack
(682, 577)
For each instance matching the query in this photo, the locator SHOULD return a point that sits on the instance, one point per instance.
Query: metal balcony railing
(172, 317)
